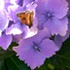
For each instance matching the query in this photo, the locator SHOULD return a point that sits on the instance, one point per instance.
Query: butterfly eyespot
(24, 18)
(19, 16)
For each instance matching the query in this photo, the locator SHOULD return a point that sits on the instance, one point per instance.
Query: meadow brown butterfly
(26, 18)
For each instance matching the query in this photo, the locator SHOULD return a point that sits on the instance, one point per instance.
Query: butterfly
(26, 18)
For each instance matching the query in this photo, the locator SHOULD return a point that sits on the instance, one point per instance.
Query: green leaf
(60, 61)
(5, 54)
(13, 63)
(13, 44)
(2, 65)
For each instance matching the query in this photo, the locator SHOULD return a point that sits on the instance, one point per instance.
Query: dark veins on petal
(49, 15)
(36, 47)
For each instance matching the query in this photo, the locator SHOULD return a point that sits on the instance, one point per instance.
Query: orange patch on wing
(26, 17)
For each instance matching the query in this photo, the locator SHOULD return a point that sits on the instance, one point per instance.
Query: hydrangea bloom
(10, 24)
(35, 43)
(17, 27)
(19, 2)
(60, 39)
(3, 20)
(36, 49)
(69, 7)
(69, 27)
(25, 2)
(68, 16)
(16, 24)
(52, 14)
(5, 41)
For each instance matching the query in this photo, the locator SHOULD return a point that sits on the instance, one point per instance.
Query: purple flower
(25, 2)
(69, 26)
(52, 14)
(60, 39)
(7, 3)
(17, 26)
(11, 28)
(18, 38)
(5, 41)
(20, 2)
(4, 21)
(36, 49)
(69, 7)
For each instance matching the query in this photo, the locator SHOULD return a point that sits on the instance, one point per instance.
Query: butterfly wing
(26, 18)
(22, 18)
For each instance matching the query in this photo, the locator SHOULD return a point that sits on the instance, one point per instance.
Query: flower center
(36, 47)
(49, 15)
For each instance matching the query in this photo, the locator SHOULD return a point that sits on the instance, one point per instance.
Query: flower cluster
(38, 26)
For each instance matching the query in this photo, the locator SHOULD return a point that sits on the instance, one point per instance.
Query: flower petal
(14, 29)
(4, 21)
(57, 26)
(28, 54)
(5, 41)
